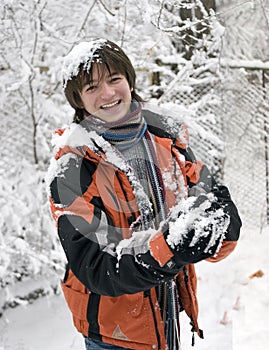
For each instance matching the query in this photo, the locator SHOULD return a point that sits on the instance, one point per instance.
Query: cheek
(127, 91)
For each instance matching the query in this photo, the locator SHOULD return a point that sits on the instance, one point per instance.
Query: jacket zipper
(147, 294)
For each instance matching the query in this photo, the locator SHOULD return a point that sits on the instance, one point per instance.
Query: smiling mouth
(111, 105)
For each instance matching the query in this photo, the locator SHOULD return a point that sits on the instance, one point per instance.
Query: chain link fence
(234, 137)
(244, 108)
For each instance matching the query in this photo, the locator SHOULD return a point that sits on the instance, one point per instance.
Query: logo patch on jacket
(118, 334)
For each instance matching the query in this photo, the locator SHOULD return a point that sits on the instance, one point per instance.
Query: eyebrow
(97, 80)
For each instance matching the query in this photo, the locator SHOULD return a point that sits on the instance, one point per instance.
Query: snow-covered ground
(234, 307)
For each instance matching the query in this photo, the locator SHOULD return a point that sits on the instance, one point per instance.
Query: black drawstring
(172, 324)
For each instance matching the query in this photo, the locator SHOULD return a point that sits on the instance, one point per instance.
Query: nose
(107, 91)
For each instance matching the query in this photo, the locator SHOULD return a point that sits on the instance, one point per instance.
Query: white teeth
(110, 105)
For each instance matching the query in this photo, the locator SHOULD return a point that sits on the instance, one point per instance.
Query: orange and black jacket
(112, 274)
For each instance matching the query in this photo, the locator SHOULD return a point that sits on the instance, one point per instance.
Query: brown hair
(114, 59)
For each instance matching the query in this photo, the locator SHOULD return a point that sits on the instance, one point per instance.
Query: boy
(133, 208)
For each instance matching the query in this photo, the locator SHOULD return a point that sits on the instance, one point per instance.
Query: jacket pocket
(76, 296)
(127, 317)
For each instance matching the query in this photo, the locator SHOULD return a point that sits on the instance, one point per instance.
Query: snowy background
(210, 68)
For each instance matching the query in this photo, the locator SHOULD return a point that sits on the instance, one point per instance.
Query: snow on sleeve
(135, 245)
(83, 53)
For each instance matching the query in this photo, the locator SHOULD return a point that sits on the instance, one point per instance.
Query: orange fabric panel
(187, 292)
(159, 249)
(76, 301)
(109, 188)
(82, 208)
(79, 207)
(77, 298)
(193, 170)
(132, 345)
(226, 248)
(127, 318)
(65, 150)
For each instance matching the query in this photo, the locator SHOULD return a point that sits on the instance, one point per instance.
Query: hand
(198, 229)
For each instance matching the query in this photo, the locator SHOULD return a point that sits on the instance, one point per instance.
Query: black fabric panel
(97, 201)
(54, 191)
(187, 153)
(224, 199)
(87, 170)
(92, 316)
(100, 271)
(206, 180)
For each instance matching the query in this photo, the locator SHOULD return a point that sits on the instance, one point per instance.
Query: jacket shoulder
(166, 126)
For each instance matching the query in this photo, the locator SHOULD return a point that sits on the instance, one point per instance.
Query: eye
(90, 88)
(116, 79)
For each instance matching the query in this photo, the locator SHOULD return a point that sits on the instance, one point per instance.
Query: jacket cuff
(160, 250)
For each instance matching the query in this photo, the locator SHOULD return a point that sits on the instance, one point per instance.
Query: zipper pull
(193, 339)
(201, 334)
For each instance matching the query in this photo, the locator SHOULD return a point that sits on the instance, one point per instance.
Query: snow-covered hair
(77, 69)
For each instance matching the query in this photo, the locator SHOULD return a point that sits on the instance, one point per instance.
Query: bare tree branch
(160, 13)
(124, 23)
(83, 23)
(107, 9)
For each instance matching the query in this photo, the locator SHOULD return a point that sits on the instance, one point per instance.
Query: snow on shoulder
(76, 136)
(168, 119)
(83, 53)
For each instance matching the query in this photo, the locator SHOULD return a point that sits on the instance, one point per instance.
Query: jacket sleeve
(201, 184)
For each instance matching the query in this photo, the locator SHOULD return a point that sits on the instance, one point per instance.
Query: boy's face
(107, 96)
